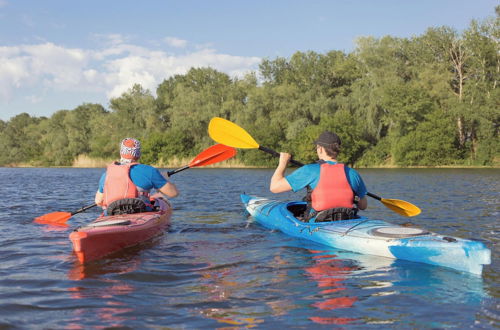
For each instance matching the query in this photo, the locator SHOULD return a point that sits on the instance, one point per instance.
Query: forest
(428, 100)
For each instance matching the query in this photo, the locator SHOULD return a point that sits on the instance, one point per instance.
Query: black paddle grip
(277, 154)
(170, 173)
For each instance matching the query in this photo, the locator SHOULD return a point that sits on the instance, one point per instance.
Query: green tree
(55, 141)
(21, 144)
(160, 148)
(79, 128)
(190, 101)
(135, 112)
(433, 143)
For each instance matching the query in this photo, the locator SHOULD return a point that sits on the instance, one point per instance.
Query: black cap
(327, 138)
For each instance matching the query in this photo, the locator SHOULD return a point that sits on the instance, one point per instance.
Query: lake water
(215, 268)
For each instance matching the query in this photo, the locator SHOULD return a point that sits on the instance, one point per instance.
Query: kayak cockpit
(298, 209)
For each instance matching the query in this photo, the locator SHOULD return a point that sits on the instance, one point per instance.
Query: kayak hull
(110, 234)
(375, 237)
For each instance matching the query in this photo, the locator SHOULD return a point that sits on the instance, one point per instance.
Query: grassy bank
(87, 162)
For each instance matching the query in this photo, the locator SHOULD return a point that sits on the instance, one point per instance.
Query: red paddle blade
(54, 217)
(214, 154)
(52, 226)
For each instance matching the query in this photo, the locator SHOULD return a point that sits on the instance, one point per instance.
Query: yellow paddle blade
(401, 207)
(225, 132)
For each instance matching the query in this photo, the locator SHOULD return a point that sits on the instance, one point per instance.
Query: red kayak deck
(109, 234)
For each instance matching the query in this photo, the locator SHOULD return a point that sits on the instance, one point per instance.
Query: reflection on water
(329, 273)
(218, 285)
(112, 265)
(110, 311)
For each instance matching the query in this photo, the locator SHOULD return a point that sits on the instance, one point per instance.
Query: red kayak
(109, 234)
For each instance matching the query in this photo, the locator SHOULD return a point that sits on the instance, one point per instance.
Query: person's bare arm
(170, 190)
(278, 182)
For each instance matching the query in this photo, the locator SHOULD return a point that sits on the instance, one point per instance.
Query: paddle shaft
(170, 173)
(374, 196)
(85, 208)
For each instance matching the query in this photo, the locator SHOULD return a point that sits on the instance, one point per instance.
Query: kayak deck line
(371, 236)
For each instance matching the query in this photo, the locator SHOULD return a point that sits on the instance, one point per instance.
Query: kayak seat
(126, 206)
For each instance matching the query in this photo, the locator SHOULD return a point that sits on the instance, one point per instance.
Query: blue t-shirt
(143, 176)
(309, 175)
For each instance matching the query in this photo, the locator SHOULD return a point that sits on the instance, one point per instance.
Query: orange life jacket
(118, 184)
(333, 189)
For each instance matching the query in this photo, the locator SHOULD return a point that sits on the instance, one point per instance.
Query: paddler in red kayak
(127, 183)
(334, 191)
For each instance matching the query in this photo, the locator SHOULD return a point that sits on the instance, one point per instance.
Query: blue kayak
(375, 237)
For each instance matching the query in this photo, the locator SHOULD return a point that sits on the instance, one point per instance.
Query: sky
(59, 54)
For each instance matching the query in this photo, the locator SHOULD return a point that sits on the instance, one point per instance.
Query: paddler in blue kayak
(334, 190)
(125, 186)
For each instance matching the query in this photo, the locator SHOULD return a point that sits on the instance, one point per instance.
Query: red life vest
(118, 184)
(333, 189)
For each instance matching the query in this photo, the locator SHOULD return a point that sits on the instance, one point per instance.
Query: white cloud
(111, 70)
(175, 42)
(46, 65)
(150, 69)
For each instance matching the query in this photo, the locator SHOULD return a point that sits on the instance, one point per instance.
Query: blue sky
(58, 54)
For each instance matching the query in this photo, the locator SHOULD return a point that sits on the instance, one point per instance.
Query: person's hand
(99, 198)
(284, 158)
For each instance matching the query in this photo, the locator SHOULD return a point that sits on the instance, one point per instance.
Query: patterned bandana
(130, 149)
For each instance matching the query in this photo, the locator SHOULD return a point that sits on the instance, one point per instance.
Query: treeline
(428, 100)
